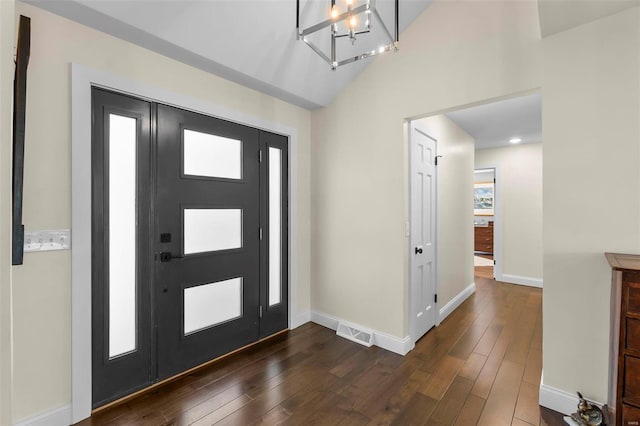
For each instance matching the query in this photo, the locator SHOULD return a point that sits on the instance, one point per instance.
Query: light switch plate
(56, 239)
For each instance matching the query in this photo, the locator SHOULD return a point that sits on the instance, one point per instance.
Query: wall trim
(517, 279)
(300, 319)
(457, 301)
(83, 78)
(383, 340)
(60, 416)
(559, 400)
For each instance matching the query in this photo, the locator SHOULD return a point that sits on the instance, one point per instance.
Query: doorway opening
(507, 183)
(83, 80)
(189, 241)
(484, 205)
(490, 153)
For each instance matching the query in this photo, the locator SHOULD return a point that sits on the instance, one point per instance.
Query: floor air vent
(355, 333)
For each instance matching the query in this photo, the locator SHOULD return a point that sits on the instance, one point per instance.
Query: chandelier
(351, 21)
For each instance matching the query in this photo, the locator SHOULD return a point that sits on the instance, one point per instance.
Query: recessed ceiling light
(515, 140)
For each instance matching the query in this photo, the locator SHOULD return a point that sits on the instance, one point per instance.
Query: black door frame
(153, 247)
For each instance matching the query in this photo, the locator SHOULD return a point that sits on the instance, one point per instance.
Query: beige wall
(42, 305)
(455, 207)
(591, 105)
(521, 185)
(7, 37)
(456, 53)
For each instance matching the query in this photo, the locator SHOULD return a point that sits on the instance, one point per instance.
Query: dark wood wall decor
(19, 110)
(624, 360)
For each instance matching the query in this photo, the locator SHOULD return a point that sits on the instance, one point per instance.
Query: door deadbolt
(166, 256)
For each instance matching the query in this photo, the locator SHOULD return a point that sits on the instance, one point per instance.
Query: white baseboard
(300, 319)
(456, 301)
(383, 340)
(60, 416)
(559, 400)
(517, 279)
(393, 343)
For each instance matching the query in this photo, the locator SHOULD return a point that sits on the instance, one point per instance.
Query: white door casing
(422, 255)
(82, 80)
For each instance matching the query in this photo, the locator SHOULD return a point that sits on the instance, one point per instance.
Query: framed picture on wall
(483, 193)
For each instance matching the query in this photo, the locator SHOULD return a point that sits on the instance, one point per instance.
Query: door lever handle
(166, 256)
(418, 250)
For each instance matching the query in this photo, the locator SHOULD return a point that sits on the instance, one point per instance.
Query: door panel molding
(82, 80)
(419, 250)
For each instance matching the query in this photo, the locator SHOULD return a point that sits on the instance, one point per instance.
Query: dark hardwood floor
(481, 366)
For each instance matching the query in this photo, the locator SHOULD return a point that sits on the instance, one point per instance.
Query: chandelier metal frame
(368, 8)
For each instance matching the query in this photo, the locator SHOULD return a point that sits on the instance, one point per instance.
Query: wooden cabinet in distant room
(484, 238)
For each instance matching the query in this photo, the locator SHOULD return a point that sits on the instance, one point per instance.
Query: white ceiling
(251, 42)
(493, 124)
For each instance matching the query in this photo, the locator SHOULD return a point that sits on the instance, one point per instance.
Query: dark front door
(209, 218)
(190, 237)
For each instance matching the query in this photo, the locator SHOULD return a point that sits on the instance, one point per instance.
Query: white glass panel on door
(275, 225)
(211, 155)
(207, 230)
(122, 235)
(210, 304)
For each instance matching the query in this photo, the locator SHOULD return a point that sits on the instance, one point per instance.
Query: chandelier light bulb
(353, 22)
(334, 11)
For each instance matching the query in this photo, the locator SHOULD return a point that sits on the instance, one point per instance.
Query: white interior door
(422, 153)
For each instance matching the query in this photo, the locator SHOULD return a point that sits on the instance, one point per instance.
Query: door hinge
(260, 232)
(438, 156)
(435, 298)
(260, 155)
(494, 262)
(494, 180)
(260, 311)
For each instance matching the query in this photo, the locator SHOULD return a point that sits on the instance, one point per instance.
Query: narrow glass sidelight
(207, 230)
(211, 155)
(275, 225)
(122, 235)
(212, 304)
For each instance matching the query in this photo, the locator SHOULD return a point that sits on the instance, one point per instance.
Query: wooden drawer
(631, 380)
(488, 248)
(633, 335)
(630, 415)
(484, 231)
(632, 297)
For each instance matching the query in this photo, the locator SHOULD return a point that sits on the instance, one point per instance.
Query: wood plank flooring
(484, 271)
(481, 366)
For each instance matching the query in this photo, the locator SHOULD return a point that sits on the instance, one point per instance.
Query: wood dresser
(624, 363)
(483, 240)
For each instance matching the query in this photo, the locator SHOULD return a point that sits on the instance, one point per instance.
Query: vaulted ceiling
(253, 42)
